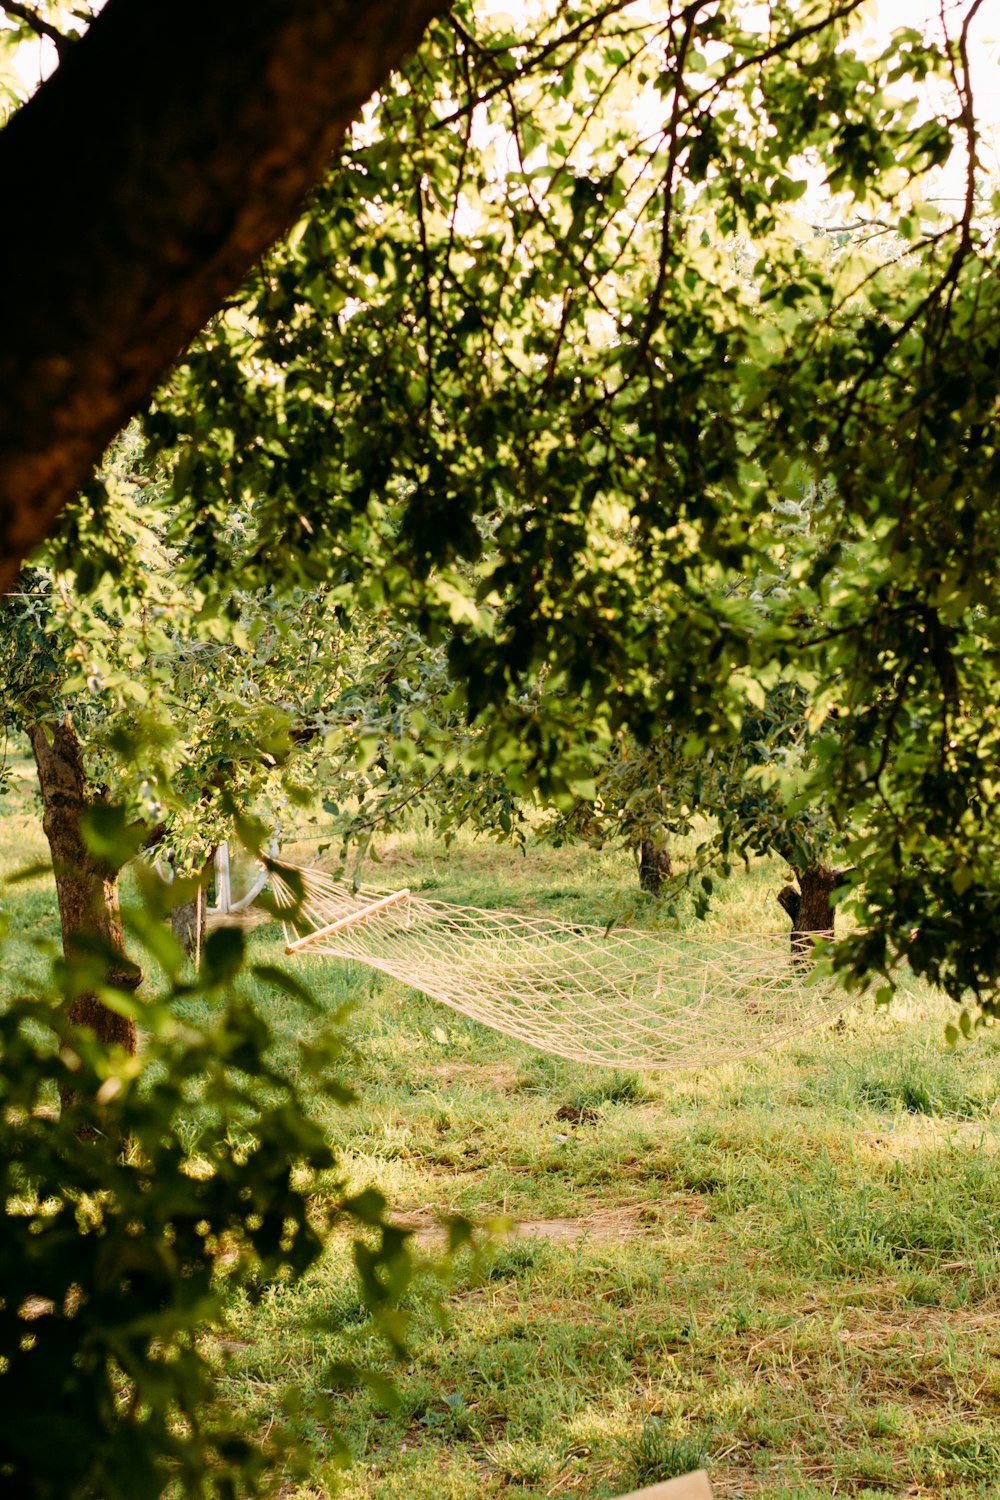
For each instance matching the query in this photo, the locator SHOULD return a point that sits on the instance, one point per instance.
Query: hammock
(619, 999)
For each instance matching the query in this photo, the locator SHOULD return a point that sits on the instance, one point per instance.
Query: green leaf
(29, 872)
(368, 1206)
(287, 983)
(222, 956)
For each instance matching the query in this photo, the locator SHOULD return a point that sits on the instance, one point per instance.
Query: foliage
(195, 709)
(186, 717)
(392, 742)
(553, 352)
(165, 1184)
(745, 796)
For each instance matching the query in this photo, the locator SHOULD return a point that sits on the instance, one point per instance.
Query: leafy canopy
(558, 342)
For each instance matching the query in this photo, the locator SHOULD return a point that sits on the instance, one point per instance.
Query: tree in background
(739, 799)
(392, 743)
(151, 726)
(638, 802)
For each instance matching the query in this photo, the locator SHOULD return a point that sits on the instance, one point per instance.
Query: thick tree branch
(172, 145)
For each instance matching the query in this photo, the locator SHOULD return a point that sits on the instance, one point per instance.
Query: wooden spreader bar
(350, 920)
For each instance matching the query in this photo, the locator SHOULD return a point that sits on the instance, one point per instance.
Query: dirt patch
(577, 1114)
(916, 1133)
(502, 1077)
(612, 1227)
(605, 1227)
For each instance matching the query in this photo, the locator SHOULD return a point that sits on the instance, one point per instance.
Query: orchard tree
(639, 801)
(741, 798)
(392, 743)
(152, 727)
(553, 348)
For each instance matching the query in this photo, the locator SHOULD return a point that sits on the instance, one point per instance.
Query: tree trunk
(188, 919)
(654, 865)
(172, 145)
(87, 890)
(187, 922)
(811, 906)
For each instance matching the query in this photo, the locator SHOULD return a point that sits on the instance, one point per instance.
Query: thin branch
(968, 119)
(677, 144)
(859, 223)
(574, 35)
(38, 24)
(426, 297)
(379, 818)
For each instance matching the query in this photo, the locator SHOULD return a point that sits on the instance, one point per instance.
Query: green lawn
(784, 1268)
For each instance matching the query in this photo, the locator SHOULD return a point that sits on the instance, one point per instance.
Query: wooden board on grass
(687, 1487)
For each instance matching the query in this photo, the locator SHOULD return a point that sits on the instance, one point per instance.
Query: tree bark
(87, 891)
(654, 865)
(188, 919)
(171, 147)
(187, 922)
(811, 906)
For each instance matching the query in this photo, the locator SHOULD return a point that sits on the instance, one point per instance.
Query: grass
(785, 1268)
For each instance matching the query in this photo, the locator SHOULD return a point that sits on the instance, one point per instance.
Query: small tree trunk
(811, 906)
(188, 919)
(87, 890)
(654, 865)
(187, 922)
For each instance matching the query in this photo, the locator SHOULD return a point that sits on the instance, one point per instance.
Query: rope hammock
(618, 999)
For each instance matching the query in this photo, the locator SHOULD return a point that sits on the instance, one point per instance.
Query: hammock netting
(618, 998)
